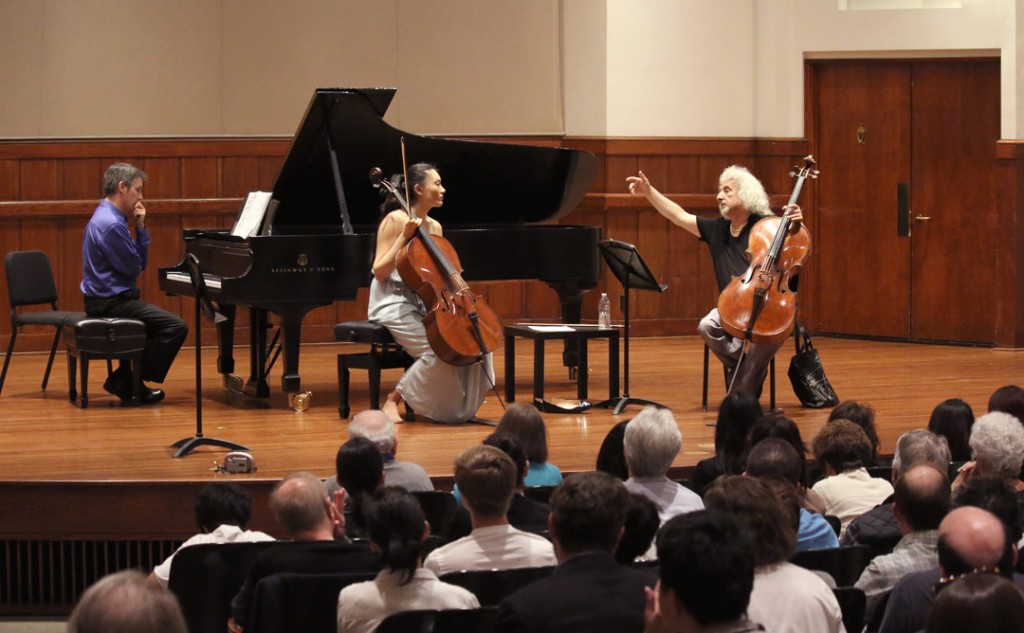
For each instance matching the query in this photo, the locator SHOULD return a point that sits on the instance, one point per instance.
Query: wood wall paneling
(10, 179)
(40, 180)
(200, 177)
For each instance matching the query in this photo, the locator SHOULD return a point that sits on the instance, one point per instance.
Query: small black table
(578, 333)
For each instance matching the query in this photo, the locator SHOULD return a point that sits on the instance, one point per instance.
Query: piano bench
(108, 338)
(384, 354)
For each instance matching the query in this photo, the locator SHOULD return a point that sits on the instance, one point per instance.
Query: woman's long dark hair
(417, 176)
(395, 524)
(953, 419)
(737, 414)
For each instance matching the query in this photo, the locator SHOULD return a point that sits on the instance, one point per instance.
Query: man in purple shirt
(111, 261)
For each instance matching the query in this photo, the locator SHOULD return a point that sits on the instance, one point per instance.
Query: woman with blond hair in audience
(396, 528)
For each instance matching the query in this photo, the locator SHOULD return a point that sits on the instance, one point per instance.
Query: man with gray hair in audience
(126, 602)
(376, 426)
(878, 528)
(651, 443)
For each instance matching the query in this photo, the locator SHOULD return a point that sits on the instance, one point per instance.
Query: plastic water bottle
(604, 312)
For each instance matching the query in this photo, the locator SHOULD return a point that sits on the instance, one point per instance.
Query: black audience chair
(299, 603)
(880, 472)
(539, 493)
(835, 522)
(441, 621)
(844, 564)
(492, 585)
(438, 506)
(852, 603)
(206, 577)
(30, 283)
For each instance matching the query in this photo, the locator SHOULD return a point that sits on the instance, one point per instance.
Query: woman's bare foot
(391, 406)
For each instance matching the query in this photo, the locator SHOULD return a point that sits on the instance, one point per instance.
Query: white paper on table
(552, 328)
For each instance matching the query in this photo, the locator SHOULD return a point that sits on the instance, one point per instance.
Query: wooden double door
(905, 215)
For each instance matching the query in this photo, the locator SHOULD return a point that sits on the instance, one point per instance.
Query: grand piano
(316, 246)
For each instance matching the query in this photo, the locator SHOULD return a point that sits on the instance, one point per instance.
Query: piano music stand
(629, 268)
(203, 307)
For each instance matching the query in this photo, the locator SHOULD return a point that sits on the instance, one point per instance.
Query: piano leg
(570, 296)
(291, 325)
(226, 340)
(257, 385)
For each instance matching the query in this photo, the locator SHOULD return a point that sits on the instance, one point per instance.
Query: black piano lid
(486, 183)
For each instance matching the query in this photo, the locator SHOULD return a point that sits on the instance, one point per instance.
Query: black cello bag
(807, 375)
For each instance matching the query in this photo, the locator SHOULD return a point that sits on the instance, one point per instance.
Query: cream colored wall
(248, 67)
(735, 67)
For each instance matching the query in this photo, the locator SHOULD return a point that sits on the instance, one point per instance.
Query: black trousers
(165, 332)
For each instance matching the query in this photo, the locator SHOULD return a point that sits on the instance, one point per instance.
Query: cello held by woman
(432, 387)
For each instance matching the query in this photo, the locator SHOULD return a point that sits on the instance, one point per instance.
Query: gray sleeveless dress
(433, 388)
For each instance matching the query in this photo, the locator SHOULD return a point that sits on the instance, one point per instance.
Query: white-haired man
(742, 201)
(376, 426)
(651, 443)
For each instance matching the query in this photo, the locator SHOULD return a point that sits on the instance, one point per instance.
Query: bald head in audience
(126, 602)
(302, 508)
(921, 498)
(972, 539)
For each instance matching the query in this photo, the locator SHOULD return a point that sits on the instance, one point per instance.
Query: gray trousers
(728, 348)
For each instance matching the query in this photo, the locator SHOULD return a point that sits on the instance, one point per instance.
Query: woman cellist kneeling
(433, 388)
(742, 201)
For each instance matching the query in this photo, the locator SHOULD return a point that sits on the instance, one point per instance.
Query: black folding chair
(844, 563)
(30, 283)
(299, 603)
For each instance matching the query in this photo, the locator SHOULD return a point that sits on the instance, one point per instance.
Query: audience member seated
(376, 426)
(396, 528)
(953, 419)
(785, 598)
(588, 592)
(843, 452)
(523, 422)
(611, 457)
(776, 458)
(651, 443)
(487, 477)
(967, 540)
(997, 446)
(524, 513)
(978, 602)
(921, 502)
(863, 416)
(305, 512)
(126, 602)
(737, 414)
(705, 578)
(636, 544)
(878, 527)
(360, 471)
(222, 513)
(1008, 399)
(786, 429)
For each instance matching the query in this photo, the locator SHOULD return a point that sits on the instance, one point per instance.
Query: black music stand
(203, 307)
(631, 271)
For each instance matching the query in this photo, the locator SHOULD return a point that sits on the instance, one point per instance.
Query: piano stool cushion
(109, 338)
(362, 332)
(101, 337)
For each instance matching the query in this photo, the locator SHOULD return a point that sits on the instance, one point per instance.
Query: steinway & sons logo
(302, 266)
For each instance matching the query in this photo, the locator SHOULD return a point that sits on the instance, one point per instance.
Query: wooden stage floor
(43, 438)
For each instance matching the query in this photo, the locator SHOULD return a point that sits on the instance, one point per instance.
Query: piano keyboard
(212, 281)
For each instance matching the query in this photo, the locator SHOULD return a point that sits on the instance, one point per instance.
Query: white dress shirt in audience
(791, 599)
(362, 606)
(851, 494)
(497, 547)
(670, 497)
(223, 534)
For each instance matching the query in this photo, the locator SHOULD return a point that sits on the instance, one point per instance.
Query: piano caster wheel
(233, 383)
(300, 401)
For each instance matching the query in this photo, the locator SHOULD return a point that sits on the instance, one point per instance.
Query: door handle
(922, 217)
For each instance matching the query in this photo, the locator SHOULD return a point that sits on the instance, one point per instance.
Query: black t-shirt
(728, 253)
